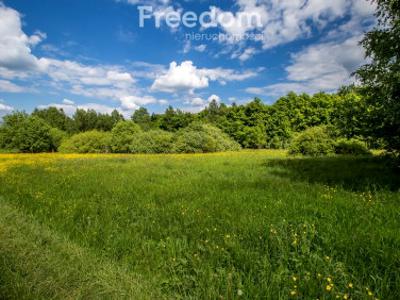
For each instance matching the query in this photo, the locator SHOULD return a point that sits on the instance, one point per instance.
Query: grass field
(246, 225)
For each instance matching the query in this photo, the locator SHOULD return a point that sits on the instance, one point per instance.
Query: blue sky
(94, 54)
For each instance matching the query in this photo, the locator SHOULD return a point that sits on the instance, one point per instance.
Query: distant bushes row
(28, 133)
(128, 137)
(319, 141)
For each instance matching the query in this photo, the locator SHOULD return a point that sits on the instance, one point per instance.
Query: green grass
(247, 225)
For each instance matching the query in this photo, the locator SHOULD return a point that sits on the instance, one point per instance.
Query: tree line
(369, 112)
(254, 125)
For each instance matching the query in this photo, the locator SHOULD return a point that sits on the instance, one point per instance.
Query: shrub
(202, 138)
(87, 142)
(123, 135)
(351, 147)
(315, 141)
(57, 137)
(153, 141)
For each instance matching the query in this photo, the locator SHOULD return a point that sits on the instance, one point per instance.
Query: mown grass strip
(37, 263)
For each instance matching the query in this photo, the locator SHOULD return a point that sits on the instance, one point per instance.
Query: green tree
(55, 117)
(85, 120)
(173, 120)
(142, 117)
(382, 75)
(26, 133)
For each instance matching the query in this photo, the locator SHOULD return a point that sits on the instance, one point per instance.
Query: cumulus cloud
(109, 82)
(15, 45)
(322, 67)
(186, 77)
(181, 77)
(134, 102)
(76, 73)
(283, 21)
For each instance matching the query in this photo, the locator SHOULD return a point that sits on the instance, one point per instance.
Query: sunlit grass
(246, 225)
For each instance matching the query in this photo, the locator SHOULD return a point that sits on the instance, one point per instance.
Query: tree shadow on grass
(351, 173)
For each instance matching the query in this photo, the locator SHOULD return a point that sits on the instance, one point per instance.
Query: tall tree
(142, 117)
(382, 75)
(55, 117)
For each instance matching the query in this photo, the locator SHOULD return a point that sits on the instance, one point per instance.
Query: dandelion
(294, 278)
(240, 292)
(329, 287)
(345, 296)
(350, 285)
(293, 293)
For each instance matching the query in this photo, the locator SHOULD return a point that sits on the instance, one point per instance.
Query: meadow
(242, 225)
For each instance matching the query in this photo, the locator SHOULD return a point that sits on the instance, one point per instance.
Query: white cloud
(68, 102)
(201, 48)
(180, 78)
(76, 73)
(186, 77)
(69, 107)
(15, 45)
(322, 67)
(126, 106)
(95, 81)
(197, 104)
(134, 102)
(284, 21)
(9, 87)
(147, 70)
(244, 55)
(187, 46)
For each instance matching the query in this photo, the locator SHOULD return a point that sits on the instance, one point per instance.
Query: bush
(123, 135)
(315, 141)
(351, 147)
(87, 142)
(203, 138)
(57, 137)
(153, 141)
